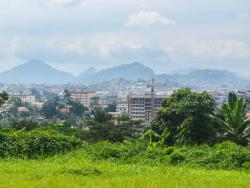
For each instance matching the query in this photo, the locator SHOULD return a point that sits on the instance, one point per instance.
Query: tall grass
(74, 170)
(80, 169)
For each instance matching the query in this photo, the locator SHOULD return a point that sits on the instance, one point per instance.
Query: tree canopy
(186, 115)
(3, 98)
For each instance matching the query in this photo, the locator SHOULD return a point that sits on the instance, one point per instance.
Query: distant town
(138, 100)
(37, 90)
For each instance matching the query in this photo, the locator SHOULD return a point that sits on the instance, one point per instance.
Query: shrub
(102, 150)
(176, 157)
(225, 155)
(169, 150)
(35, 143)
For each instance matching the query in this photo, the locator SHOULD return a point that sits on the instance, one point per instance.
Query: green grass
(76, 170)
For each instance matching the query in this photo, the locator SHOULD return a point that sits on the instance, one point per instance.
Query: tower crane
(152, 93)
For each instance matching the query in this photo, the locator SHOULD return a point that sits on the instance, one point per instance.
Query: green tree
(49, 108)
(187, 116)
(101, 115)
(235, 126)
(94, 101)
(107, 130)
(77, 108)
(16, 102)
(3, 98)
(123, 118)
(67, 96)
(112, 107)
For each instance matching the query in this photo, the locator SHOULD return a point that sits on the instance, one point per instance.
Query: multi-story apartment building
(144, 107)
(122, 107)
(83, 97)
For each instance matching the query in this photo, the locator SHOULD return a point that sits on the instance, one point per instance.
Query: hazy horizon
(174, 71)
(165, 35)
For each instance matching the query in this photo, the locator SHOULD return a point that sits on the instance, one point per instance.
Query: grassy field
(75, 170)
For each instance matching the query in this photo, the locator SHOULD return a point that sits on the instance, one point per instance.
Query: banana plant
(156, 139)
(235, 125)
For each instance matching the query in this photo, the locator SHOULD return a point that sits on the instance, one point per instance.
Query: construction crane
(152, 93)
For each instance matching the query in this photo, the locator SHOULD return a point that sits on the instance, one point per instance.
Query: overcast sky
(73, 35)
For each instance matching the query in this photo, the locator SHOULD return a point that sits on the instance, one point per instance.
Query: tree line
(188, 117)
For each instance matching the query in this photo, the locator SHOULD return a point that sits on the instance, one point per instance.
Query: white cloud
(66, 3)
(148, 18)
(221, 49)
(95, 34)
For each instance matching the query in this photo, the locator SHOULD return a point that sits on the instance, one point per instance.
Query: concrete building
(83, 97)
(107, 99)
(122, 107)
(144, 107)
(25, 98)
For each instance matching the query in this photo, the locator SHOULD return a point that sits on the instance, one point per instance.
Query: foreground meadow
(77, 170)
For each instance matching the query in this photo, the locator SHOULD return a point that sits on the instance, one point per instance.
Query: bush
(176, 157)
(35, 143)
(169, 150)
(66, 129)
(105, 150)
(226, 155)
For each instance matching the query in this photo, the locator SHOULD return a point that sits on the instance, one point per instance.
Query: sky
(166, 35)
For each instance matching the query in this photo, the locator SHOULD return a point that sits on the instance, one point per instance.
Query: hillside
(133, 71)
(38, 72)
(35, 71)
(205, 77)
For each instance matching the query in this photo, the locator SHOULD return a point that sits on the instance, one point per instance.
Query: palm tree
(234, 123)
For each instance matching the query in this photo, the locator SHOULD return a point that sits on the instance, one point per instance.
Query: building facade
(25, 98)
(83, 97)
(144, 107)
(122, 107)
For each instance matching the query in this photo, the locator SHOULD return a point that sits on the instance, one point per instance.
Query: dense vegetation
(35, 143)
(188, 132)
(226, 155)
(188, 118)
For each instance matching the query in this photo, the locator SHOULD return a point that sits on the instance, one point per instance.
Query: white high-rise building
(144, 107)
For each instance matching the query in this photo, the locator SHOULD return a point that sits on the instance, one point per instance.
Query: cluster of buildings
(142, 107)
(138, 102)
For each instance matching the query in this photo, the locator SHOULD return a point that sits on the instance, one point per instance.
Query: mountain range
(38, 72)
(204, 77)
(133, 71)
